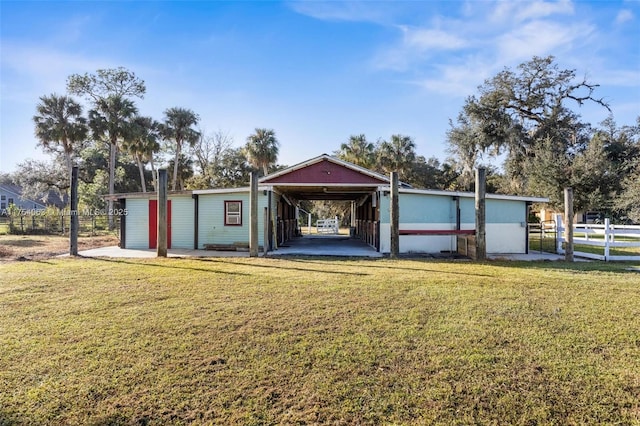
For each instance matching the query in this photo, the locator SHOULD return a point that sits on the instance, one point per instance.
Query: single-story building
(12, 195)
(430, 220)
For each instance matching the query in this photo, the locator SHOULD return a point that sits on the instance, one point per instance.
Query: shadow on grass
(117, 420)
(7, 419)
(590, 266)
(324, 271)
(168, 266)
(371, 263)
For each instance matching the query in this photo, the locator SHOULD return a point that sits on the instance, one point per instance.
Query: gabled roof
(49, 198)
(326, 169)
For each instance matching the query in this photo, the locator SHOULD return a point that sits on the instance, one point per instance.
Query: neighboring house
(430, 220)
(12, 194)
(587, 217)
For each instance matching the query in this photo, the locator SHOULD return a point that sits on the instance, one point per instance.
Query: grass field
(300, 341)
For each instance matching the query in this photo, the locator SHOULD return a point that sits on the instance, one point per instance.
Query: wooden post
(568, 226)
(481, 230)
(162, 214)
(253, 215)
(395, 217)
(75, 224)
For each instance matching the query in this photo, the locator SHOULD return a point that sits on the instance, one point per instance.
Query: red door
(153, 224)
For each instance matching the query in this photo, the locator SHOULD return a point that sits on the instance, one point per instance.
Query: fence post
(568, 217)
(607, 225)
(559, 234)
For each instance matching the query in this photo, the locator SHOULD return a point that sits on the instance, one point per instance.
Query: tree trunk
(175, 166)
(112, 182)
(141, 168)
(154, 176)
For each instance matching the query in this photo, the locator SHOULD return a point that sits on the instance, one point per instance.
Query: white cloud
(343, 10)
(513, 12)
(457, 80)
(540, 38)
(625, 15)
(543, 9)
(431, 39)
(416, 45)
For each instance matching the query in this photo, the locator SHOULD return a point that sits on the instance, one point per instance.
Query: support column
(265, 246)
(161, 250)
(395, 217)
(568, 226)
(75, 223)
(481, 233)
(253, 215)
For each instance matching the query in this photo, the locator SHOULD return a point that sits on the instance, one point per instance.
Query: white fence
(601, 235)
(327, 226)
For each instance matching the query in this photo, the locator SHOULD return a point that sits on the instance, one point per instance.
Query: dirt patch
(36, 247)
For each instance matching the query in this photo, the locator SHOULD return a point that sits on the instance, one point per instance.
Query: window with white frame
(233, 213)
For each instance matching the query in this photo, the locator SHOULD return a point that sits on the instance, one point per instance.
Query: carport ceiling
(342, 193)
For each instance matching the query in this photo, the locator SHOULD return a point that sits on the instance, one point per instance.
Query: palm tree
(59, 125)
(110, 121)
(142, 144)
(358, 151)
(177, 128)
(397, 155)
(261, 149)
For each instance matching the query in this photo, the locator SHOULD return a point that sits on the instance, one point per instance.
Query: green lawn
(300, 341)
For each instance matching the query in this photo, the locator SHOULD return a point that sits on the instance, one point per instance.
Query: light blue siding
(467, 210)
(416, 208)
(182, 225)
(211, 227)
(421, 208)
(137, 224)
(506, 211)
(430, 208)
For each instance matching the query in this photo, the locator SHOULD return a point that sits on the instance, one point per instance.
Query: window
(3, 197)
(10, 201)
(233, 213)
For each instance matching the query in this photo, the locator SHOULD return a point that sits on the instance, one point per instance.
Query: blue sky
(316, 72)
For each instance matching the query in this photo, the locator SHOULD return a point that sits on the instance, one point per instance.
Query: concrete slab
(326, 245)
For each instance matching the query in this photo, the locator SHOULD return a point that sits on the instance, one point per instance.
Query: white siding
(182, 227)
(506, 238)
(137, 224)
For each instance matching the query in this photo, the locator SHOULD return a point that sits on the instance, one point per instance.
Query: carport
(328, 178)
